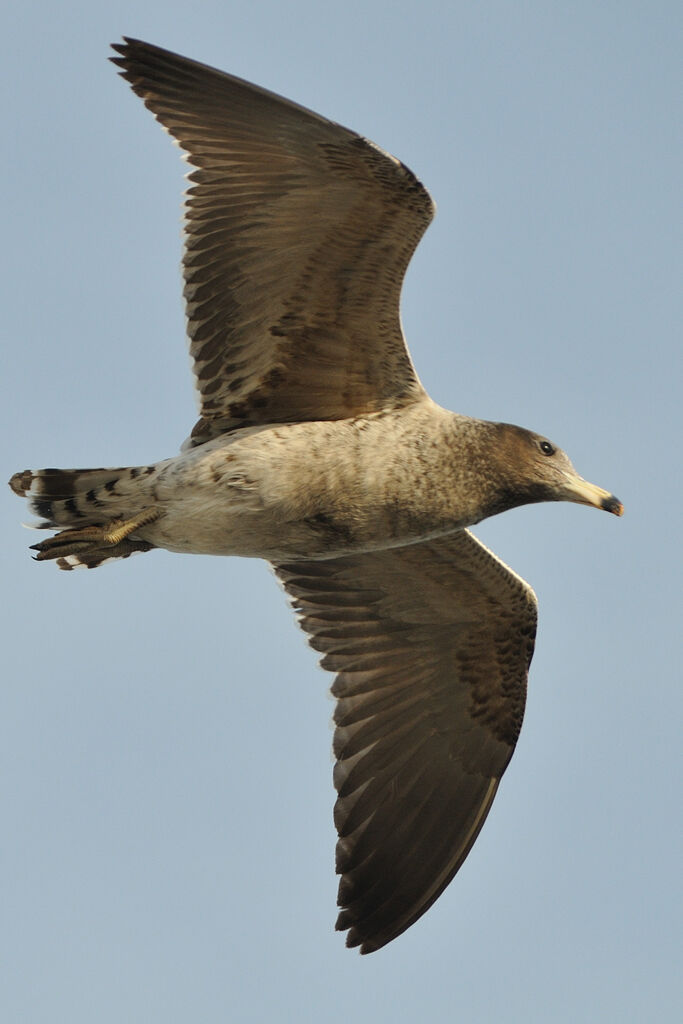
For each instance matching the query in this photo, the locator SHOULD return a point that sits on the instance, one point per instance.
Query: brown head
(530, 468)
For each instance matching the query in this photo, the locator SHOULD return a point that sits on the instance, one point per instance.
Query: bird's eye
(546, 447)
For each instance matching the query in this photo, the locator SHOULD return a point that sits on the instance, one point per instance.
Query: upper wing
(431, 645)
(298, 234)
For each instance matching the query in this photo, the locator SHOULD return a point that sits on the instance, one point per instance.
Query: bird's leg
(89, 538)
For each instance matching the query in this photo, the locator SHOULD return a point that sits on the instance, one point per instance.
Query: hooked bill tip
(612, 504)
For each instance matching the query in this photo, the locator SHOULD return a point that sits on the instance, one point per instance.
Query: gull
(318, 449)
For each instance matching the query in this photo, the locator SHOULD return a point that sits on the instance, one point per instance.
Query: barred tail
(84, 503)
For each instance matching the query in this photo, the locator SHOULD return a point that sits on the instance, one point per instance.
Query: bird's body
(318, 449)
(303, 490)
(310, 490)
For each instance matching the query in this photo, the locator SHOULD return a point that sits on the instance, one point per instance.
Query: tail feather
(69, 499)
(80, 497)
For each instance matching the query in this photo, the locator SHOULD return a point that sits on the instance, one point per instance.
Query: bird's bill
(581, 491)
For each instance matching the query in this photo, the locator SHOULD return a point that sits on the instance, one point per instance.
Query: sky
(166, 850)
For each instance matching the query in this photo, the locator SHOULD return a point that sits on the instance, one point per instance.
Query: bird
(318, 449)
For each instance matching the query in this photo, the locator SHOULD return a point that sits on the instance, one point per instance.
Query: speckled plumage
(318, 449)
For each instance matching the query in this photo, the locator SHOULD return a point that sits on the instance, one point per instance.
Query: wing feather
(431, 644)
(298, 233)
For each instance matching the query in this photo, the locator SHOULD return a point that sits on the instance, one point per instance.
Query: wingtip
(122, 49)
(354, 938)
(128, 42)
(126, 48)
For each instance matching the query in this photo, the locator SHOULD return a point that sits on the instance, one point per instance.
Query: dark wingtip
(126, 48)
(122, 49)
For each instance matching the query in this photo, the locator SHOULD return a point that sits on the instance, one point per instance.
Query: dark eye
(546, 447)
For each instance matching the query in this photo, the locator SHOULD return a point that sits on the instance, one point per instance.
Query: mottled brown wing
(298, 233)
(431, 645)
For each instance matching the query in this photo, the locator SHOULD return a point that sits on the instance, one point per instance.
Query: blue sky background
(166, 849)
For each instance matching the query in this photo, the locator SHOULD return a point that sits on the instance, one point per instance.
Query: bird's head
(531, 468)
